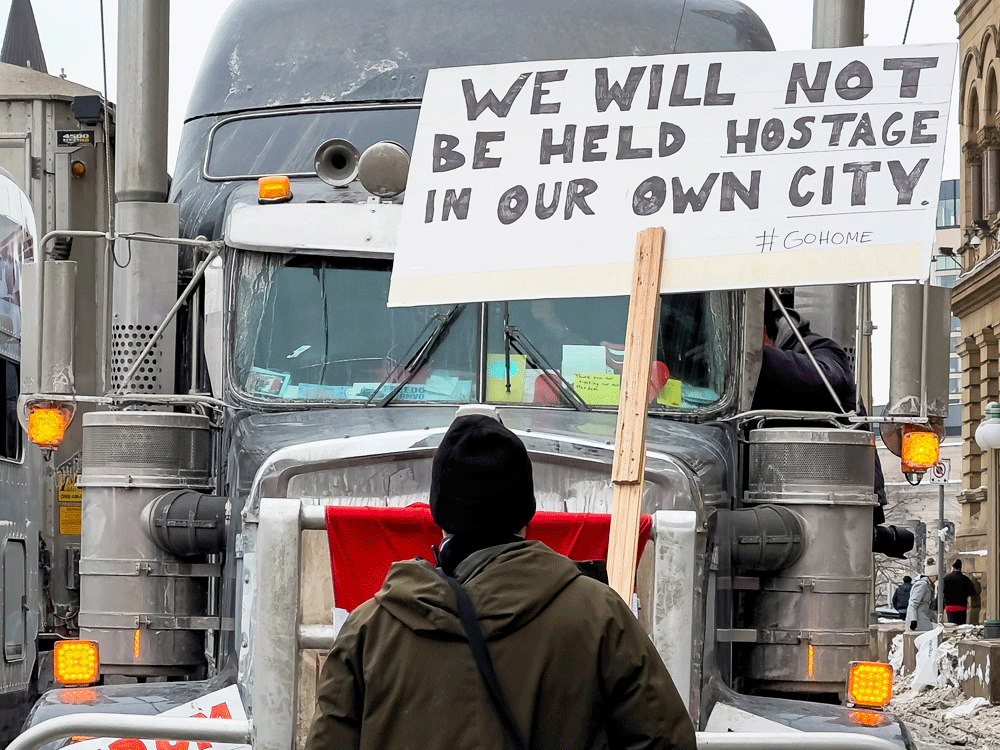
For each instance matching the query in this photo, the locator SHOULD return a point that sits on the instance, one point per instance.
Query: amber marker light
(867, 718)
(136, 641)
(78, 169)
(78, 695)
(811, 660)
(76, 662)
(921, 448)
(47, 422)
(869, 684)
(273, 189)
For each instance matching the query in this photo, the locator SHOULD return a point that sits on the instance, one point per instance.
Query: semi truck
(21, 515)
(54, 161)
(249, 388)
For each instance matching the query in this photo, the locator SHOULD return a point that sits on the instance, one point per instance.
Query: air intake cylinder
(812, 617)
(146, 608)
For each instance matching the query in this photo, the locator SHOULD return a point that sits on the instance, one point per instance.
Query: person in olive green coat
(575, 667)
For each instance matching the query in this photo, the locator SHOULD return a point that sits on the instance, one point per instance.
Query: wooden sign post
(629, 467)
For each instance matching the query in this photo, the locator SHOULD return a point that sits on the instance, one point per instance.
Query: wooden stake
(629, 467)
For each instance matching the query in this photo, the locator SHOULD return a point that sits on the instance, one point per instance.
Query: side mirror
(51, 370)
(48, 297)
(214, 322)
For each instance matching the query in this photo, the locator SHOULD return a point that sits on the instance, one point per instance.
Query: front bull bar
(231, 731)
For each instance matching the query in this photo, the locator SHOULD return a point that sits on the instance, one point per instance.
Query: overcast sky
(70, 31)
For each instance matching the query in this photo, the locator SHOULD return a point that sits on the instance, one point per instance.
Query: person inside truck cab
(572, 664)
(789, 380)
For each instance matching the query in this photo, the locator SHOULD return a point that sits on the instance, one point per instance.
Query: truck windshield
(583, 340)
(318, 329)
(311, 328)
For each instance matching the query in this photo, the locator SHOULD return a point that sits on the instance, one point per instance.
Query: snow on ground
(942, 717)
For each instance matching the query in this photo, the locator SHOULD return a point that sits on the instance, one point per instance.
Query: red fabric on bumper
(364, 542)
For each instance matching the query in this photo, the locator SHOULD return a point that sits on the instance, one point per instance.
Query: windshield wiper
(514, 338)
(421, 353)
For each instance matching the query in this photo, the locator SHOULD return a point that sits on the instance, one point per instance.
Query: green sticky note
(670, 394)
(598, 388)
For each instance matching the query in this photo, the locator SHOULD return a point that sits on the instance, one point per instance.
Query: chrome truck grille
(146, 608)
(812, 617)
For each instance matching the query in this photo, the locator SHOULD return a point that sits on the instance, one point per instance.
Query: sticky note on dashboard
(670, 394)
(496, 378)
(583, 359)
(598, 388)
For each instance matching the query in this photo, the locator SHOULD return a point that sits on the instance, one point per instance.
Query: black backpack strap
(481, 654)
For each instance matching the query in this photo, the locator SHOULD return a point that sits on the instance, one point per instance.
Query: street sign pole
(939, 475)
(940, 590)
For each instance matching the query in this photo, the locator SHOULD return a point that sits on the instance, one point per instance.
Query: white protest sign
(221, 704)
(531, 180)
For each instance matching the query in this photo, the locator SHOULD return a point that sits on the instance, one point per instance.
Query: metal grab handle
(230, 731)
(792, 741)
(240, 733)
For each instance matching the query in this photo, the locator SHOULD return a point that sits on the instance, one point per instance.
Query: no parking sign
(940, 471)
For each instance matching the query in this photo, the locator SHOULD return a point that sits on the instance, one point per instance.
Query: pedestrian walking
(901, 597)
(919, 611)
(958, 587)
(506, 644)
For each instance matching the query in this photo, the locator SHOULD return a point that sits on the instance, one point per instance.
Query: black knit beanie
(481, 479)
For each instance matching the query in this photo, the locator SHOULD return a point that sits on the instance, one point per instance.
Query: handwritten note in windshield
(598, 388)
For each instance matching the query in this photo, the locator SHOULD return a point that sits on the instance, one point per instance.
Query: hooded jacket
(922, 599)
(575, 667)
(901, 598)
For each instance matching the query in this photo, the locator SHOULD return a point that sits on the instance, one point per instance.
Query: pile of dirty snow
(941, 716)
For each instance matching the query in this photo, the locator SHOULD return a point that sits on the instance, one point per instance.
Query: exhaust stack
(143, 86)
(145, 274)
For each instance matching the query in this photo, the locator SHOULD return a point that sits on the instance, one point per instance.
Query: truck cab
(298, 390)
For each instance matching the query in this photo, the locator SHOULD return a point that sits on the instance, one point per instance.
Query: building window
(956, 325)
(946, 279)
(948, 205)
(946, 263)
(955, 385)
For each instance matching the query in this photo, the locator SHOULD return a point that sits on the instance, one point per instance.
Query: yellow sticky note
(598, 388)
(496, 378)
(670, 394)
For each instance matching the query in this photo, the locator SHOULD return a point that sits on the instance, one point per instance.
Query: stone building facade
(976, 295)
